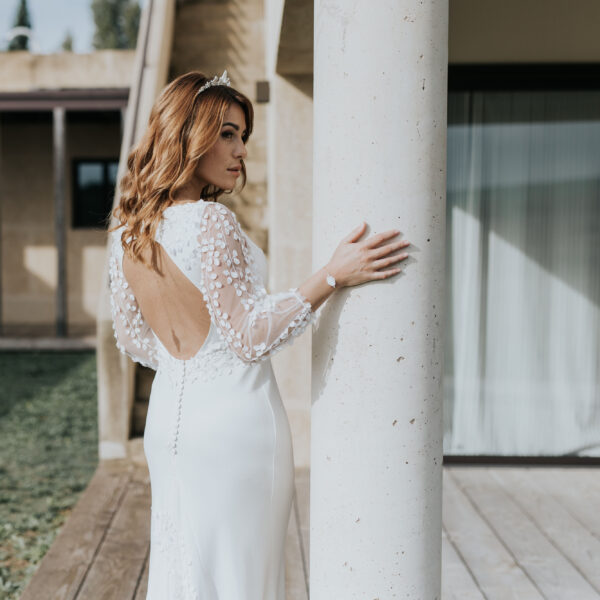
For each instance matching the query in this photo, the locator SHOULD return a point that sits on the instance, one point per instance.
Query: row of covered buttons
(179, 404)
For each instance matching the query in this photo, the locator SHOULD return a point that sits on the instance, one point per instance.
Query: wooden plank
(119, 564)
(141, 475)
(103, 548)
(66, 563)
(457, 582)
(295, 580)
(552, 573)
(577, 489)
(557, 523)
(494, 569)
(142, 590)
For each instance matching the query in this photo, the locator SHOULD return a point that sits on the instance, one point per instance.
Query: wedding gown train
(217, 438)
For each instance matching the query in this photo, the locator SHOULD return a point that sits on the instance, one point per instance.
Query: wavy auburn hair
(182, 127)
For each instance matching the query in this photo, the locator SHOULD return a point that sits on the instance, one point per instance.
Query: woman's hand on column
(355, 262)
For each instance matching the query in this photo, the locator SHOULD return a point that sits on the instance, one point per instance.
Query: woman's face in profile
(221, 165)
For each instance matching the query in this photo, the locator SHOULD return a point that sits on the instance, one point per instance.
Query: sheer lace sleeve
(133, 335)
(254, 324)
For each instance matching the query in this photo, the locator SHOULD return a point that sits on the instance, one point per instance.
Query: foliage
(48, 453)
(67, 44)
(22, 19)
(117, 23)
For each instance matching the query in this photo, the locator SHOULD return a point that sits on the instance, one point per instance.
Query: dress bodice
(207, 244)
(176, 235)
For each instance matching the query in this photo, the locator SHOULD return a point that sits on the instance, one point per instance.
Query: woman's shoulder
(182, 210)
(197, 217)
(195, 206)
(201, 212)
(117, 234)
(220, 213)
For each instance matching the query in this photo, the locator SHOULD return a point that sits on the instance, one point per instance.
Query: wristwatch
(331, 280)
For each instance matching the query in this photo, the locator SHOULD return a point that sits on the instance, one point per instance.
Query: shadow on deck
(508, 532)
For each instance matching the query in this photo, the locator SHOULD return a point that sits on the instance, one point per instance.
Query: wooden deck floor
(509, 533)
(521, 533)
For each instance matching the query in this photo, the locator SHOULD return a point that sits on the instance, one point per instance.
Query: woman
(188, 300)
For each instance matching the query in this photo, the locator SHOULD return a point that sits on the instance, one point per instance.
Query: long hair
(182, 127)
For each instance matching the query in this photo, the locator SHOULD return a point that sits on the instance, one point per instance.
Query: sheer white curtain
(522, 358)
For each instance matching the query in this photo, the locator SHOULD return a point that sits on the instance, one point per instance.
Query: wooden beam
(66, 565)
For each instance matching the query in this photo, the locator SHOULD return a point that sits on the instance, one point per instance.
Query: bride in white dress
(188, 300)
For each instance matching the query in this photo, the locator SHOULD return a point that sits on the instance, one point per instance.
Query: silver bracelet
(331, 280)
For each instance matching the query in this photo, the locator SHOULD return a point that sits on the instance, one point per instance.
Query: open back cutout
(171, 304)
(209, 276)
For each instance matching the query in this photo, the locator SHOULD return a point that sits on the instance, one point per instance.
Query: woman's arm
(132, 333)
(316, 289)
(252, 322)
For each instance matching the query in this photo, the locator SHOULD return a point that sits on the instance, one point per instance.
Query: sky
(50, 20)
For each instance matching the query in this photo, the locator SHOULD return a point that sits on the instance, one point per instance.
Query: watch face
(331, 280)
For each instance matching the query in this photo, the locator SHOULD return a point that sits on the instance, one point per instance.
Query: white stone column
(116, 372)
(380, 91)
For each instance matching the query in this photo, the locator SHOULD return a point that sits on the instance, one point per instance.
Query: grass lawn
(48, 453)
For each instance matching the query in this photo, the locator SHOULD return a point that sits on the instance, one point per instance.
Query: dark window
(93, 190)
(522, 319)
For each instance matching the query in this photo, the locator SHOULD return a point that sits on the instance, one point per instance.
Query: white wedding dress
(217, 438)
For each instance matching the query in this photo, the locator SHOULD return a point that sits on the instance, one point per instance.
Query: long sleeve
(253, 323)
(133, 335)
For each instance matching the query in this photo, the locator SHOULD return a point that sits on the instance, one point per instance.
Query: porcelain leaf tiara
(223, 80)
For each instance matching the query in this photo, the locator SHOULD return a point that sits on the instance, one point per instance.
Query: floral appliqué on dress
(172, 550)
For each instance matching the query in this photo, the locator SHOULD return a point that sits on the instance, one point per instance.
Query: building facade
(60, 134)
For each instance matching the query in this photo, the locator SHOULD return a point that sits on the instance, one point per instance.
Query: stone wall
(23, 71)
(211, 37)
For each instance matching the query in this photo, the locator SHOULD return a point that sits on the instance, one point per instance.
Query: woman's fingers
(387, 248)
(371, 255)
(385, 274)
(376, 239)
(384, 262)
(355, 233)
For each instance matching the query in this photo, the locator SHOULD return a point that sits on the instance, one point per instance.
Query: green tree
(131, 25)
(117, 23)
(22, 19)
(67, 44)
